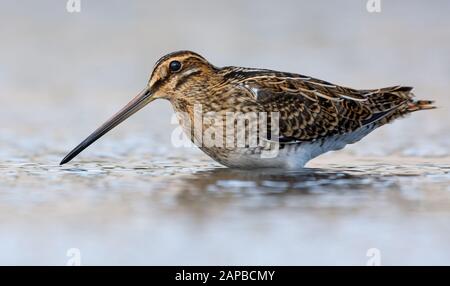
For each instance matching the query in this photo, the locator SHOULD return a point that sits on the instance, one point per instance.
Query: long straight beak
(142, 99)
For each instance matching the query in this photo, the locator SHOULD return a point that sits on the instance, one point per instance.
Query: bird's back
(316, 116)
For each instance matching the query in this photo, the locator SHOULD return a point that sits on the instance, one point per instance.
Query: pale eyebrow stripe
(188, 72)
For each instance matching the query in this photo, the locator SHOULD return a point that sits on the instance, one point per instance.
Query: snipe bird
(314, 116)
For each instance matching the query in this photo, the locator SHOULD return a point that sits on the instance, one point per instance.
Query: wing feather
(311, 108)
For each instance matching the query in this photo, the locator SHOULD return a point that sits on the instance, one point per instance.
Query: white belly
(290, 156)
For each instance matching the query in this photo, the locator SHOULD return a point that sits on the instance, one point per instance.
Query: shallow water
(133, 198)
(174, 211)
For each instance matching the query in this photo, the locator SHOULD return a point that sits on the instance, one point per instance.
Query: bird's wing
(311, 109)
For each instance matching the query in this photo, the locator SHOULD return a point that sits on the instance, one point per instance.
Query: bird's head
(176, 76)
(179, 74)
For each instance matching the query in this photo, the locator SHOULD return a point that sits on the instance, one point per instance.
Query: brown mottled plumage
(315, 116)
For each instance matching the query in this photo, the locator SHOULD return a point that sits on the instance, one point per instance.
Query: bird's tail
(405, 104)
(415, 105)
(394, 102)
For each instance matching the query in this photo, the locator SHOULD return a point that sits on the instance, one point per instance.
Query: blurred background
(133, 198)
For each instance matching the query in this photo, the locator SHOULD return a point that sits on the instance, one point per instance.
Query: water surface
(158, 210)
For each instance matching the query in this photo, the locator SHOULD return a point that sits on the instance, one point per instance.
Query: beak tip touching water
(77, 150)
(63, 161)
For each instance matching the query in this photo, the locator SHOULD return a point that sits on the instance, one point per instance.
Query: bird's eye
(174, 66)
